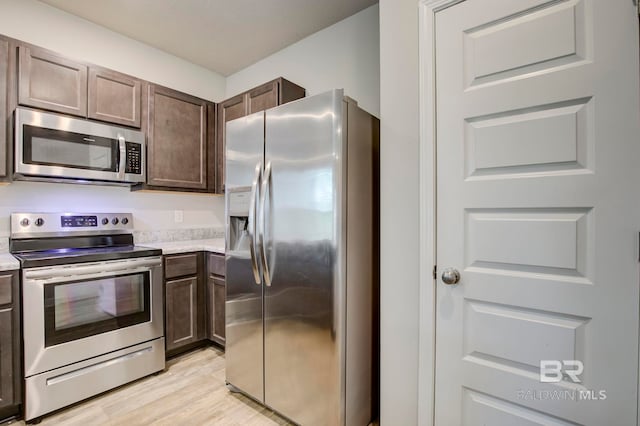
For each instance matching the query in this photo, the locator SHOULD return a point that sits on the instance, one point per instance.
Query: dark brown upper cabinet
(176, 140)
(212, 114)
(52, 82)
(114, 97)
(265, 96)
(5, 139)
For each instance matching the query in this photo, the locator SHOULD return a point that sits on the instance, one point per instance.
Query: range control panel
(42, 224)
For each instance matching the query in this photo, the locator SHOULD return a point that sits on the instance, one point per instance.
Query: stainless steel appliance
(54, 147)
(92, 306)
(301, 244)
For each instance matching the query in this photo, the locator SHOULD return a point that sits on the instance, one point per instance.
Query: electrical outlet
(178, 216)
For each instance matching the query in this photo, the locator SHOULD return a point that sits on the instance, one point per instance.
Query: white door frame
(427, 303)
(427, 214)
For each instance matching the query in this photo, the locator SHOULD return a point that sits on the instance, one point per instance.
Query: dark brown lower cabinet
(10, 347)
(195, 296)
(182, 312)
(184, 302)
(216, 301)
(216, 298)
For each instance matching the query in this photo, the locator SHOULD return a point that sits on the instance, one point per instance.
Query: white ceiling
(224, 36)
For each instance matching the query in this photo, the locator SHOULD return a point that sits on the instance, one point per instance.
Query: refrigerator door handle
(253, 223)
(266, 181)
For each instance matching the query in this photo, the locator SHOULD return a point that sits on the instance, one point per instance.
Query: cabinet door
(212, 168)
(211, 309)
(219, 298)
(177, 140)
(4, 118)
(49, 81)
(181, 312)
(263, 97)
(7, 367)
(228, 110)
(216, 297)
(10, 346)
(114, 97)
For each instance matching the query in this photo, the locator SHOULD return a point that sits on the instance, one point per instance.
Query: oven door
(76, 312)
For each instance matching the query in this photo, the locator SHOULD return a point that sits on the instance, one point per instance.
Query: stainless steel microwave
(54, 147)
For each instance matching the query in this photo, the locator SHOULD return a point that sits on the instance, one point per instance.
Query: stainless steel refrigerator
(301, 203)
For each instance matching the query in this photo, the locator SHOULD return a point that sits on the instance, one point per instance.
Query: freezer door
(302, 214)
(244, 331)
(244, 149)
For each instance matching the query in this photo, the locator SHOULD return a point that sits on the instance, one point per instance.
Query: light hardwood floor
(191, 391)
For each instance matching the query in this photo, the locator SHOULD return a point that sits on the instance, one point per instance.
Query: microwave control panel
(134, 158)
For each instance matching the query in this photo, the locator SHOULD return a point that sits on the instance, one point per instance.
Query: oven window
(79, 309)
(67, 149)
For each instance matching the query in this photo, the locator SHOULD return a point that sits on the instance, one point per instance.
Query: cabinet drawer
(216, 264)
(5, 289)
(181, 265)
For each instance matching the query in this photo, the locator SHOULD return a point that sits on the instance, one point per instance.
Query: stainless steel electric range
(92, 306)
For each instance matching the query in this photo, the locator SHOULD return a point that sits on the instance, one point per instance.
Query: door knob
(450, 276)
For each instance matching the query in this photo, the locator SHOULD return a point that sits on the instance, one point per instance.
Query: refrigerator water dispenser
(238, 211)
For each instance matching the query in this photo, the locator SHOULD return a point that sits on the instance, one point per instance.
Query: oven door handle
(94, 269)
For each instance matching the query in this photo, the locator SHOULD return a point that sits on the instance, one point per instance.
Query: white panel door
(538, 208)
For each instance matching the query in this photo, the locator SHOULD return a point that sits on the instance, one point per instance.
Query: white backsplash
(155, 214)
(168, 235)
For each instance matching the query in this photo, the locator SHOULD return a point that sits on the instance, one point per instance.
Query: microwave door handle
(122, 156)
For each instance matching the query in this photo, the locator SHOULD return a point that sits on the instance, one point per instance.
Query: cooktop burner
(48, 239)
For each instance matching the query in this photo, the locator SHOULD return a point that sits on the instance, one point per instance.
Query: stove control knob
(39, 221)
(124, 221)
(105, 221)
(115, 220)
(24, 222)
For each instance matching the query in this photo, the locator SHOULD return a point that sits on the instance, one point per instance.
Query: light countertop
(215, 245)
(8, 262)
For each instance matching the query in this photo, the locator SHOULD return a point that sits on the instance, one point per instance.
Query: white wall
(399, 293)
(42, 25)
(344, 55)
